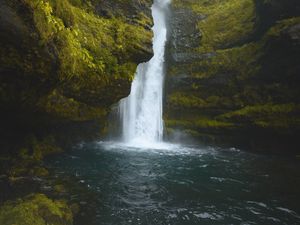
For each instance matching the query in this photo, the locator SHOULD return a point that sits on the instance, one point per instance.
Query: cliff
(63, 63)
(233, 73)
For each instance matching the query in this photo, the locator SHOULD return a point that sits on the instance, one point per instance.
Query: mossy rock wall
(64, 62)
(65, 47)
(233, 72)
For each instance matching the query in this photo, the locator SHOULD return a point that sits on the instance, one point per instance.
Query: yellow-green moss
(179, 99)
(280, 26)
(26, 167)
(36, 209)
(262, 110)
(198, 123)
(143, 20)
(242, 61)
(58, 105)
(28, 161)
(66, 60)
(35, 149)
(267, 115)
(87, 45)
(188, 101)
(232, 67)
(226, 21)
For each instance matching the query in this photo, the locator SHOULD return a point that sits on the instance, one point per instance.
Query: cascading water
(141, 111)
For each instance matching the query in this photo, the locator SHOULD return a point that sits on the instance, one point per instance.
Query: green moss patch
(36, 209)
(198, 124)
(267, 115)
(87, 45)
(192, 101)
(226, 21)
(65, 60)
(68, 108)
(281, 26)
(240, 61)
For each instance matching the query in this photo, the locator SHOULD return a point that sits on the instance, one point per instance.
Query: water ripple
(180, 185)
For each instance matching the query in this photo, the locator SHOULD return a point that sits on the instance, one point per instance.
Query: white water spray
(141, 111)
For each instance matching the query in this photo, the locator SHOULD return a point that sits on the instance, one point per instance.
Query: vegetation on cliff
(63, 64)
(243, 71)
(225, 22)
(64, 46)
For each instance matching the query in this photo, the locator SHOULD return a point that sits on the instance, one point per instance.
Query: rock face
(65, 62)
(233, 72)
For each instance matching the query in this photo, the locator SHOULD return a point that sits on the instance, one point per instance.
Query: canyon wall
(63, 63)
(233, 73)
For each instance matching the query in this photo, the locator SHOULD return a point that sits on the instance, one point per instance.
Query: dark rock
(188, 57)
(184, 32)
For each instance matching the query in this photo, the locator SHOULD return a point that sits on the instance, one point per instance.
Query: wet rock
(184, 31)
(188, 57)
(242, 59)
(63, 61)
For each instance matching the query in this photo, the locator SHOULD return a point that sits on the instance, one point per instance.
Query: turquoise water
(180, 185)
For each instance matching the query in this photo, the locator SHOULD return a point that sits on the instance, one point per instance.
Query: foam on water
(116, 183)
(162, 148)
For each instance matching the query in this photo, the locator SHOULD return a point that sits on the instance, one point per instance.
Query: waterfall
(141, 112)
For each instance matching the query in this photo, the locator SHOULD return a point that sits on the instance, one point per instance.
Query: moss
(178, 99)
(60, 106)
(188, 100)
(226, 21)
(281, 26)
(199, 123)
(19, 169)
(87, 45)
(143, 20)
(241, 62)
(28, 162)
(267, 115)
(26, 168)
(206, 123)
(238, 60)
(67, 60)
(35, 209)
(59, 188)
(243, 72)
(39, 171)
(263, 110)
(41, 148)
